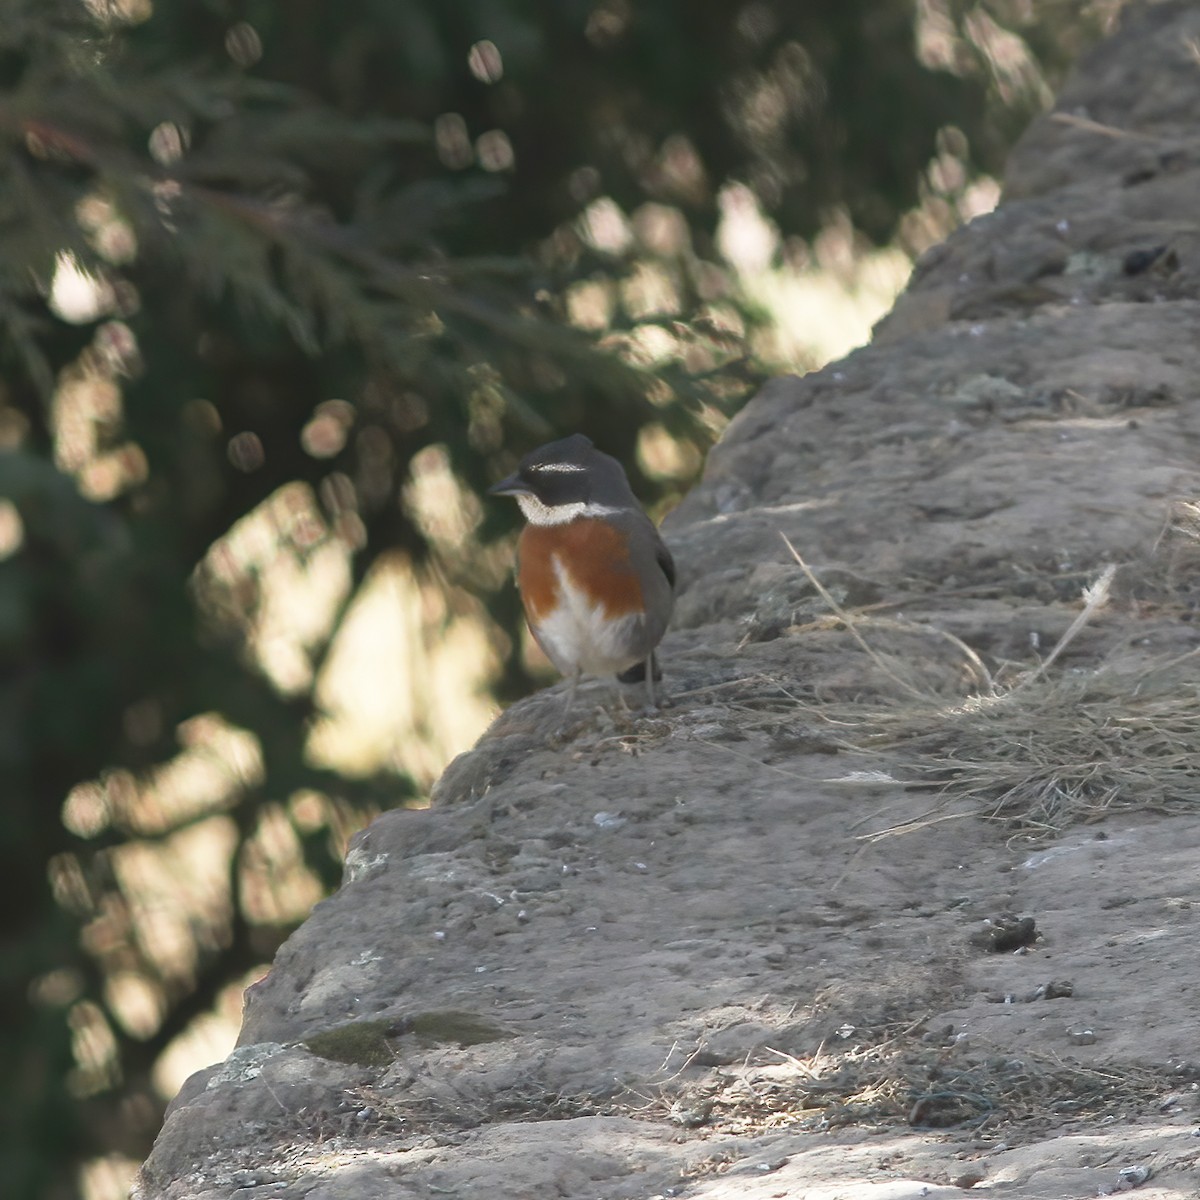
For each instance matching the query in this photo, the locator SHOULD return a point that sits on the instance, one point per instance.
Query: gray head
(567, 479)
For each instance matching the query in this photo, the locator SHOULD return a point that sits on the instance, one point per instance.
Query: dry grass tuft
(906, 1083)
(1047, 750)
(1053, 752)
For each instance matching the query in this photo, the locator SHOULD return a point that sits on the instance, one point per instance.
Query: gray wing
(665, 561)
(656, 570)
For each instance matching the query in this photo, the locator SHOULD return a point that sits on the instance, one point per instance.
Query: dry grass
(1055, 752)
(1047, 749)
(892, 1081)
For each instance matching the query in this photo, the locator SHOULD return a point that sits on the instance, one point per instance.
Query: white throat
(537, 513)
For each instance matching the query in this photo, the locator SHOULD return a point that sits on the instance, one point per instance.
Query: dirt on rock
(898, 898)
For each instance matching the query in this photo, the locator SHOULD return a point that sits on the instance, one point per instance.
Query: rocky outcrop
(672, 955)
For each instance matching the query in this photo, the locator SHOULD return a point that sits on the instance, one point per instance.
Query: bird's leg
(571, 686)
(562, 730)
(651, 702)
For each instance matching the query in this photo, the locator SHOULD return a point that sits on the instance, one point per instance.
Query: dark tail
(637, 673)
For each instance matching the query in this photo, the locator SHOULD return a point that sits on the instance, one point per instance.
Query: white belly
(578, 636)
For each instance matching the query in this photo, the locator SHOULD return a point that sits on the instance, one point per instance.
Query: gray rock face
(658, 956)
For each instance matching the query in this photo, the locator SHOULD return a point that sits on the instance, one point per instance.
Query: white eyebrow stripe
(537, 513)
(564, 468)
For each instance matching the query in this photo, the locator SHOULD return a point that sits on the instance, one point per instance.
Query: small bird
(596, 579)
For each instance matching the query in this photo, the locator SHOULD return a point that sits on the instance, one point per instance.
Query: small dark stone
(1137, 261)
(1005, 933)
(1139, 175)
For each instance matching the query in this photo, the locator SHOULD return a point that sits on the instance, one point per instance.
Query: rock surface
(756, 945)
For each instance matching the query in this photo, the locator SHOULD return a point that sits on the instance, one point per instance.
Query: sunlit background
(390, 659)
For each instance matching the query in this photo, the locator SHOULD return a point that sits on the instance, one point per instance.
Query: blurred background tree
(282, 288)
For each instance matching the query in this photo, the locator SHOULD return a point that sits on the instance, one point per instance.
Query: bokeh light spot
(243, 44)
(77, 295)
(663, 457)
(86, 810)
(325, 433)
(604, 227)
(607, 22)
(495, 151)
(57, 988)
(168, 142)
(12, 529)
(452, 141)
(485, 62)
(246, 451)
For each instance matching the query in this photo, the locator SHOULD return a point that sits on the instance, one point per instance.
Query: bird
(596, 579)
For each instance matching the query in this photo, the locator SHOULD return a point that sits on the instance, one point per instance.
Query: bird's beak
(510, 486)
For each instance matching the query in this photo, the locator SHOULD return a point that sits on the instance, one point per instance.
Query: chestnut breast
(592, 553)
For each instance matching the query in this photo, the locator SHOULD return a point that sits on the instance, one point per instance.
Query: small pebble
(1131, 1177)
(1005, 933)
(690, 1116)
